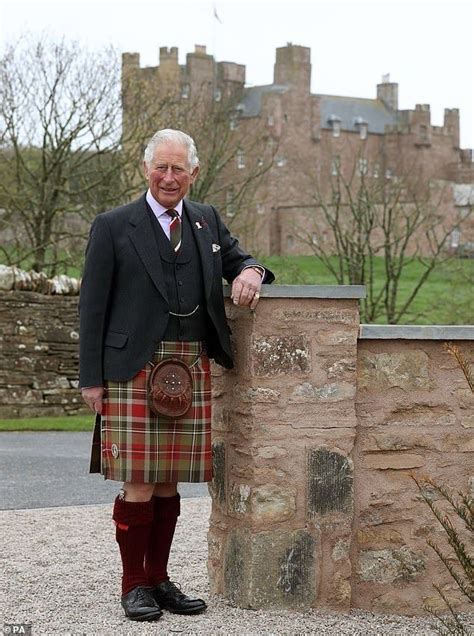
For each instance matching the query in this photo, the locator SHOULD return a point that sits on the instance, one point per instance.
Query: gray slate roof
(348, 110)
(352, 109)
(251, 104)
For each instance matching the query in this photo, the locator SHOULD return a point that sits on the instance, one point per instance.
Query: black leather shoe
(169, 597)
(140, 605)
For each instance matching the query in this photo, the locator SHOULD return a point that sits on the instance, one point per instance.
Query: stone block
(337, 337)
(387, 566)
(250, 395)
(329, 482)
(393, 461)
(420, 414)
(217, 487)
(407, 370)
(467, 421)
(270, 569)
(270, 503)
(239, 499)
(278, 355)
(271, 452)
(332, 316)
(307, 392)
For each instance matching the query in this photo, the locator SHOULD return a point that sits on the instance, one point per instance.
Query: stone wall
(316, 433)
(39, 355)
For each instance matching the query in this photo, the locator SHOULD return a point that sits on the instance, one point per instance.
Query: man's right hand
(93, 396)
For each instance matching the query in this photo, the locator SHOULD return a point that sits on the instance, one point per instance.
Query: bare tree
(358, 217)
(62, 151)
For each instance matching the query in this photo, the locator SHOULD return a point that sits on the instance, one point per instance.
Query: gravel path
(61, 574)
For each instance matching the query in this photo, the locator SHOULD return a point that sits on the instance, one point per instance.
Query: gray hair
(176, 136)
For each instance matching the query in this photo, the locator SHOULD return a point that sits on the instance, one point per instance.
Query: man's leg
(166, 512)
(166, 509)
(133, 516)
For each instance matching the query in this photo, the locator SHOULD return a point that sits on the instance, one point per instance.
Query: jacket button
(114, 450)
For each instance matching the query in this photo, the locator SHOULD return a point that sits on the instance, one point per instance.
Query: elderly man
(152, 292)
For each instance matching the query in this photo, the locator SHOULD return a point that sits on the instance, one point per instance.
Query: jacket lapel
(204, 242)
(143, 238)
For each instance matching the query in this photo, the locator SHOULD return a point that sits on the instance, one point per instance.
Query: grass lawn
(446, 298)
(73, 423)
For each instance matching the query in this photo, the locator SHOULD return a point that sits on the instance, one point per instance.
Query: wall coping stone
(416, 332)
(308, 291)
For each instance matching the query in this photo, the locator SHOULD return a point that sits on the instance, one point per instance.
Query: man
(151, 291)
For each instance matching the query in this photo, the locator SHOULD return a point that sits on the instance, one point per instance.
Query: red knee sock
(133, 521)
(166, 513)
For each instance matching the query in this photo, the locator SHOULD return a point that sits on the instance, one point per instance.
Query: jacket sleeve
(95, 294)
(234, 258)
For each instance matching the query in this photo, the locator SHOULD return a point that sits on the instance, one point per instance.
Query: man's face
(169, 175)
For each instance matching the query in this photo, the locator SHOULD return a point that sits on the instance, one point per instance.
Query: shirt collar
(158, 209)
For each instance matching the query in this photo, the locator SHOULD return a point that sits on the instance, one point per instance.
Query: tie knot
(173, 214)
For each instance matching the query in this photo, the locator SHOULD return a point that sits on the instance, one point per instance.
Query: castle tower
(387, 92)
(293, 67)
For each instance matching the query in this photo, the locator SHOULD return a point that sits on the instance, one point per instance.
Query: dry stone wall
(39, 355)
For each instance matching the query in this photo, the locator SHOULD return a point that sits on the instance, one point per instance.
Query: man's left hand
(246, 288)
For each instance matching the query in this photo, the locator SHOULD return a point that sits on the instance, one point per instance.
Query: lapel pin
(198, 225)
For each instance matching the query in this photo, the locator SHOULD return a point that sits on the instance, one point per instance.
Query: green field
(446, 298)
(72, 423)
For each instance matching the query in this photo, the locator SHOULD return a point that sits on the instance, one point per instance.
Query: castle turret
(451, 124)
(293, 67)
(387, 92)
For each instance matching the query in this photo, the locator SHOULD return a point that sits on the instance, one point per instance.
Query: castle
(314, 137)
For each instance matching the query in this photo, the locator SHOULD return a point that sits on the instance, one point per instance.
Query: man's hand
(92, 396)
(246, 288)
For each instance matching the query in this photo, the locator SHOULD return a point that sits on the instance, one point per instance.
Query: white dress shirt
(159, 211)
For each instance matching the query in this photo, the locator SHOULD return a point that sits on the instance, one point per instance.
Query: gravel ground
(61, 574)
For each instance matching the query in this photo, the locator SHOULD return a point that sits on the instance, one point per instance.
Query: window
(217, 95)
(290, 242)
(376, 170)
(233, 122)
(230, 203)
(362, 166)
(363, 130)
(260, 208)
(259, 162)
(280, 162)
(270, 120)
(335, 165)
(185, 91)
(240, 159)
(336, 128)
(454, 238)
(389, 173)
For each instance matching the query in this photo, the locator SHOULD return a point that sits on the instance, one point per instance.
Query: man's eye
(178, 170)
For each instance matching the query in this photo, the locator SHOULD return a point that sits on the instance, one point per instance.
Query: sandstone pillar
(283, 432)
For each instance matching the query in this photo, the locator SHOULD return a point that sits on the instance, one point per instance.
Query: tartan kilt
(138, 446)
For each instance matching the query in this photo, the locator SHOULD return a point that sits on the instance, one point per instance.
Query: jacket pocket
(115, 339)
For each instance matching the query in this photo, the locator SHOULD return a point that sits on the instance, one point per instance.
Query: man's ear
(145, 169)
(194, 174)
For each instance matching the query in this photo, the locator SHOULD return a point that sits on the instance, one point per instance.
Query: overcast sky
(427, 47)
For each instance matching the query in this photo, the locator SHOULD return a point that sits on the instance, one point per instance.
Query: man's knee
(137, 492)
(166, 489)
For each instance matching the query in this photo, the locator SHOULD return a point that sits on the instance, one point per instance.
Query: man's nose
(169, 175)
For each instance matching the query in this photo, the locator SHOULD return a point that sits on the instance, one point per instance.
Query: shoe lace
(176, 589)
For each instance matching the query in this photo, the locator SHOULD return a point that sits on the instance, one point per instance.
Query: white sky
(427, 47)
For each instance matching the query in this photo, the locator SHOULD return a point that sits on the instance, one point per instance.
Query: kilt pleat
(138, 446)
